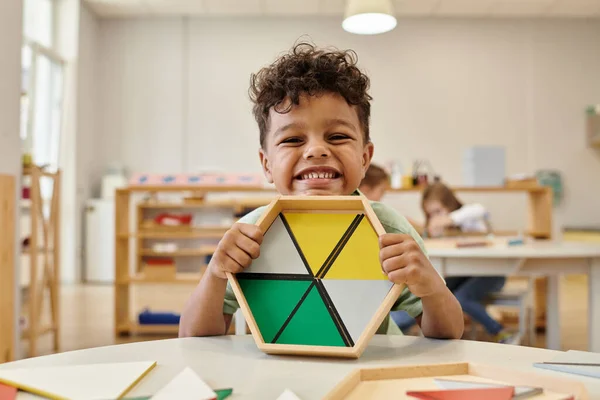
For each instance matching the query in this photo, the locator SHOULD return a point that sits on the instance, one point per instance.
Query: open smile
(318, 173)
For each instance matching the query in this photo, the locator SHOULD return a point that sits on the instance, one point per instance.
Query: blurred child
(444, 211)
(375, 183)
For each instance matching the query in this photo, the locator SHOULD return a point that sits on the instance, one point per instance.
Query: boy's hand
(404, 262)
(236, 250)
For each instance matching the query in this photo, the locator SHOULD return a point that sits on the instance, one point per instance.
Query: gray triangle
(278, 254)
(356, 301)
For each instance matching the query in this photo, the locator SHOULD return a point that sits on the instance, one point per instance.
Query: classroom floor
(87, 317)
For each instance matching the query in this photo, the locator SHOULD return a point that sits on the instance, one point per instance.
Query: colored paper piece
(592, 372)
(21, 395)
(500, 393)
(7, 392)
(521, 392)
(575, 357)
(102, 381)
(356, 301)
(222, 394)
(278, 254)
(288, 395)
(318, 234)
(311, 324)
(272, 301)
(359, 259)
(187, 385)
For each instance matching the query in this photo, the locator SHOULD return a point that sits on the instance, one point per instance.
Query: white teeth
(318, 175)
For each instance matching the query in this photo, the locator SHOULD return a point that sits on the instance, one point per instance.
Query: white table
(234, 361)
(547, 258)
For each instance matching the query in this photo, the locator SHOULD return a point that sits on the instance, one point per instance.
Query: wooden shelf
(195, 188)
(217, 234)
(134, 327)
(477, 189)
(186, 279)
(225, 203)
(202, 251)
(41, 331)
(41, 276)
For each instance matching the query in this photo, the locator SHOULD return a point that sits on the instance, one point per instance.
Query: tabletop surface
(535, 249)
(235, 362)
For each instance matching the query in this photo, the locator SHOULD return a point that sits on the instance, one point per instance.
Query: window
(42, 85)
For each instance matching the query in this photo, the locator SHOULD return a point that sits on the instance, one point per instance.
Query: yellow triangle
(359, 259)
(318, 234)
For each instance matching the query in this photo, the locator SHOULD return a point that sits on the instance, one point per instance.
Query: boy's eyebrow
(340, 121)
(291, 125)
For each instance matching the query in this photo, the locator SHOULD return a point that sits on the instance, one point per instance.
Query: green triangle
(272, 301)
(312, 324)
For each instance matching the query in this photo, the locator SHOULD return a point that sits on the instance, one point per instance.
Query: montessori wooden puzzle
(457, 381)
(317, 287)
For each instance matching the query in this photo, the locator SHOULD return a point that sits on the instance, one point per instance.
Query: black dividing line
(337, 320)
(289, 318)
(269, 276)
(339, 250)
(335, 249)
(298, 249)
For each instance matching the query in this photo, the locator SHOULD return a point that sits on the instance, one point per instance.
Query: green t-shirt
(392, 222)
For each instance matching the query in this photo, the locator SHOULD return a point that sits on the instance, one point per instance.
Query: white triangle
(356, 301)
(278, 254)
(521, 392)
(78, 382)
(186, 385)
(288, 395)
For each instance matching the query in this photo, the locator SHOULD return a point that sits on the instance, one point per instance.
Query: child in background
(375, 183)
(312, 108)
(444, 211)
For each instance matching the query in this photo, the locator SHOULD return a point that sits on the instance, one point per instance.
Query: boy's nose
(316, 151)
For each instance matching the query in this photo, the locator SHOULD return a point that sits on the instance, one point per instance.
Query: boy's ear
(367, 157)
(264, 161)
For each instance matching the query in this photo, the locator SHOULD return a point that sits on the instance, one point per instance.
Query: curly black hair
(308, 70)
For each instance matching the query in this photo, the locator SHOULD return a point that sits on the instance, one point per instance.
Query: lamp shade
(369, 17)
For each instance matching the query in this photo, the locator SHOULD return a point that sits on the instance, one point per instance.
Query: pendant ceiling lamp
(369, 17)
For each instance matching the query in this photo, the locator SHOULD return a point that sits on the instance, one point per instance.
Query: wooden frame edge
(381, 313)
(308, 350)
(237, 290)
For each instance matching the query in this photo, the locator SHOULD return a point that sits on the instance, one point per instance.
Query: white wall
(90, 157)
(173, 95)
(10, 91)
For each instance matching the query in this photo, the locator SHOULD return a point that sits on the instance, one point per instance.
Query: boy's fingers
(250, 246)
(388, 239)
(252, 231)
(404, 275)
(406, 247)
(393, 263)
(239, 256)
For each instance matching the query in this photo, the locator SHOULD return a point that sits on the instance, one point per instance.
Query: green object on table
(223, 393)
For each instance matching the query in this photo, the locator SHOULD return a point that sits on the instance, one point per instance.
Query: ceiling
(404, 8)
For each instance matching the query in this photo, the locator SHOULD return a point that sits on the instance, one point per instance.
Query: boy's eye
(291, 140)
(338, 136)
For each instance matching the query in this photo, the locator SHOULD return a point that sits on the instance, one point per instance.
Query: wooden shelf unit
(539, 226)
(131, 244)
(41, 271)
(8, 213)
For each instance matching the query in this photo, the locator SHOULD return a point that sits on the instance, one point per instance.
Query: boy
(312, 110)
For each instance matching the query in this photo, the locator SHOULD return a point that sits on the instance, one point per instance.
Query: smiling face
(317, 148)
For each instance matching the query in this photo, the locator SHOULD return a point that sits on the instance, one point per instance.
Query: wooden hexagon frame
(302, 209)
